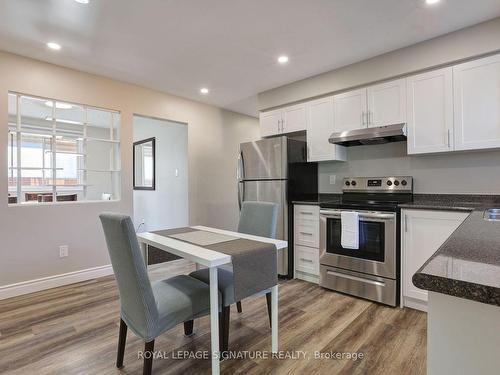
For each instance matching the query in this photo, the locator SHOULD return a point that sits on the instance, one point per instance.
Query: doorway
(164, 204)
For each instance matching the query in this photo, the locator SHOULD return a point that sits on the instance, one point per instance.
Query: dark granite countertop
(312, 202)
(467, 265)
(448, 202)
(322, 198)
(452, 202)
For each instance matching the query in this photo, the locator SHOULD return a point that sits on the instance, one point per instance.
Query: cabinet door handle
(362, 117)
(449, 138)
(369, 117)
(306, 260)
(406, 223)
(306, 233)
(305, 213)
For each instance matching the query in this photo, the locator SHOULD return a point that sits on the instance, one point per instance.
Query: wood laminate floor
(74, 330)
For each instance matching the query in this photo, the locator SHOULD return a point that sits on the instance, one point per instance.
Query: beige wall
(31, 234)
(466, 43)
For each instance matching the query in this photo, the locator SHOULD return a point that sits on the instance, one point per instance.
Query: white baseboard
(30, 286)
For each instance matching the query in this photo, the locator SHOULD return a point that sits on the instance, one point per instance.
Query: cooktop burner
(373, 193)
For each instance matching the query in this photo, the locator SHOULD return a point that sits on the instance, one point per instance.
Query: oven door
(377, 243)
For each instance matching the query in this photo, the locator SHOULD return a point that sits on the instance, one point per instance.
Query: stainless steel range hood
(370, 136)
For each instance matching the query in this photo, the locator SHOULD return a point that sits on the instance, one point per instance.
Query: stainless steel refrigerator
(276, 170)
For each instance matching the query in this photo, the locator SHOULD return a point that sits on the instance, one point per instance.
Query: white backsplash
(475, 172)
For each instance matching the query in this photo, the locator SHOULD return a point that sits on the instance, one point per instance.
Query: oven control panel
(375, 182)
(403, 184)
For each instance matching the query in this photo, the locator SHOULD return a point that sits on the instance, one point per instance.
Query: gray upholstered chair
(258, 219)
(148, 309)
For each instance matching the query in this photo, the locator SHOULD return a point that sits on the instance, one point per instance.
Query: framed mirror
(144, 164)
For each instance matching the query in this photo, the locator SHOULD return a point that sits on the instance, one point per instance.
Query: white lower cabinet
(306, 242)
(422, 233)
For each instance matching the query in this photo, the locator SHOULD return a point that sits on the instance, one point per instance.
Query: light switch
(333, 178)
(176, 172)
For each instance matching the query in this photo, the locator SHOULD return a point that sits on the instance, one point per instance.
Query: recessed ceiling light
(82, 1)
(59, 105)
(283, 59)
(53, 45)
(204, 90)
(431, 2)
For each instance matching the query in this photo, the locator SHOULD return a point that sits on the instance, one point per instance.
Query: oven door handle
(362, 215)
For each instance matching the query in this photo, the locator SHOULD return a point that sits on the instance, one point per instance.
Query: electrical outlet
(63, 251)
(143, 221)
(333, 178)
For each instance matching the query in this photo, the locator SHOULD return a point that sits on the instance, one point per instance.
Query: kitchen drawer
(371, 287)
(306, 212)
(307, 259)
(307, 233)
(306, 225)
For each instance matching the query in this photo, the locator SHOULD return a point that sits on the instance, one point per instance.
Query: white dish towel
(349, 238)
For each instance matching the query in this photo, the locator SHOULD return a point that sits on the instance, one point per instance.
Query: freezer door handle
(240, 171)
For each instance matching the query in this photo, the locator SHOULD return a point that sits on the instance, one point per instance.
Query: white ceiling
(230, 46)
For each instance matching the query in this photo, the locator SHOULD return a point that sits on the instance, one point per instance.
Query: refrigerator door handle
(240, 175)
(241, 193)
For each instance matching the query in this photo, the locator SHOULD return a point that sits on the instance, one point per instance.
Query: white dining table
(213, 259)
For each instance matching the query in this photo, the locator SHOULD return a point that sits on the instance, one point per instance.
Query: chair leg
(238, 306)
(188, 327)
(122, 338)
(148, 358)
(268, 300)
(224, 319)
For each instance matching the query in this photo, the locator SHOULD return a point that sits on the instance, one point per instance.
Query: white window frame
(115, 156)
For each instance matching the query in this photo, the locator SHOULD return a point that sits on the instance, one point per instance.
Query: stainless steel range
(371, 270)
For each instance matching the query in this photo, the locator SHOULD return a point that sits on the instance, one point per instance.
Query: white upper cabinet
(294, 118)
(320, 125)
(477, 104)
(350, 110)
(430, 112)
(377, 105)
(270, 123)
(387, 103)
(284, 120)
(450, 109)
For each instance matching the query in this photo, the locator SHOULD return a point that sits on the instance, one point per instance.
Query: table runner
(203, 237)
(254, 262)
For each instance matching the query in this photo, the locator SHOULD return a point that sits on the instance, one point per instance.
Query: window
(60, 151)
